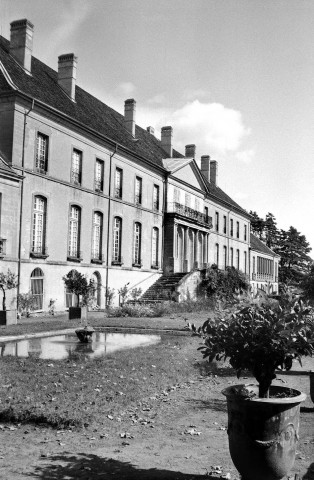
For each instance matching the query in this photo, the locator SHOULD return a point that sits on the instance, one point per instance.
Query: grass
(79, 391)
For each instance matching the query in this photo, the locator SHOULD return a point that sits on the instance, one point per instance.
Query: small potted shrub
(8, 281)
(263, 419)
(26, 302)
(77, 283)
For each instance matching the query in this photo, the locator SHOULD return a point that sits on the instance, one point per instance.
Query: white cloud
(125, 89)
(245, 156)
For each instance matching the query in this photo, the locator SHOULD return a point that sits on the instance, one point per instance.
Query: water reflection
(59, 347)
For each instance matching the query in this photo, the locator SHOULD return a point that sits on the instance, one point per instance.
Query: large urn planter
(77, 313)
(263, 432)
(8, 317)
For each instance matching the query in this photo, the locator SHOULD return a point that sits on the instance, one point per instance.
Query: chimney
(213, 172)
(151, 130)
(190, 151)
(67, 73)
(129, 115)
(205, 159)
(21, 42)
(166, 140)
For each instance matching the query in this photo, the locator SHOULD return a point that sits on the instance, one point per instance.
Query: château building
(84, 187)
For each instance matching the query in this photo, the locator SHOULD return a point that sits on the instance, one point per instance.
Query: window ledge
(137, 265)
(117, 263)
(74, 259)
(97, 260)
(155, 267)
(38, 255)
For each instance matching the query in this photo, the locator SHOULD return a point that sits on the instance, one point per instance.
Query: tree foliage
(8, 281)
(224, 283)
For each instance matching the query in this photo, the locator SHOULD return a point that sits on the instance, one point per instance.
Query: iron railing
(188, 212)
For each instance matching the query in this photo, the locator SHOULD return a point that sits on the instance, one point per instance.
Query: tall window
(39, 225)
(138, 191)
(245, 233)
(156, 197)
(217, 221)
(176, 195)
(137, 240)
(118, 183)
(238, 259)
(206, 213)
(225, 257)
(117, 231)
(76, 171)
(74, 232)
(225, 224)
(231, 257)
(197, 205)
(217, 254)
(155, 247)
(97, 236)
(238, 230)
(187, 200)
(42, 152)
(99, 175)
(37, 288)
(245, 262)
(231, 227)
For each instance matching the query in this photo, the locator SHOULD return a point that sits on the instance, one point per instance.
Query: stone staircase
(163, 289)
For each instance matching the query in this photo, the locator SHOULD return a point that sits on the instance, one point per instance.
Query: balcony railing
(188, 212)
(263, 277)
(3, 247)
(39, 252)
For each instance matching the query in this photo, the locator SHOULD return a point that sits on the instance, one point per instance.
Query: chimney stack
(190, 151)
(129, 115)
(21, 42)
(213, 172)
(67, 73)
(166, 140)
(205, 159)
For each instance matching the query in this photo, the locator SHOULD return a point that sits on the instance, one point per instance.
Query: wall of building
(267, 279)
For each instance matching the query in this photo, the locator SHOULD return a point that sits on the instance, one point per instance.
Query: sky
(233, 77)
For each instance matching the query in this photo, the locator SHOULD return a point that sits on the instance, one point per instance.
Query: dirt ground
(178, 434)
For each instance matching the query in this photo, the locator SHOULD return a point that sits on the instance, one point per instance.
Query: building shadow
(89, 466)
(310, 473)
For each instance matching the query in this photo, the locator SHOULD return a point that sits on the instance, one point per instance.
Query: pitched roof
(215, 193)
(259, 246)
(87, 109)
(5, 167)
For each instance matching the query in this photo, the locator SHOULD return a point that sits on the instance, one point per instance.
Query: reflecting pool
(60, 347)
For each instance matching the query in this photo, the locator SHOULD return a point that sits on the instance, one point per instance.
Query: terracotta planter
(77, 313)
(8, 317)
(263, 432)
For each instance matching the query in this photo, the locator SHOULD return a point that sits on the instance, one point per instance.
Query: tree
(77, 284)
(8, 281)
(271, 231)
(257, 225)
(293, 249)
(308, 284)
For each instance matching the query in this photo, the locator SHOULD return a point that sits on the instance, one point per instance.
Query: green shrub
(224, 283)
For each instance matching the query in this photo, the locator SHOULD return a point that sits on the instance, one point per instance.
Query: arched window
(137, 241)
(39, 225)
(74, 232)
(117, 233)
(37, 287)
(97, 236)
(155, 247)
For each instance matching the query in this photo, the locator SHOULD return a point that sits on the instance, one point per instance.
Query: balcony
(39, 252)
(3, 247)
(177, 209)
(263, 277)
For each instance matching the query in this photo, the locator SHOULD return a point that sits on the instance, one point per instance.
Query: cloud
(125, 89)
(245, 156)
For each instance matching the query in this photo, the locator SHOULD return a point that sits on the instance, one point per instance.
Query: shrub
(260, 337)
(8, 281)
(223, 283)
(25, 303)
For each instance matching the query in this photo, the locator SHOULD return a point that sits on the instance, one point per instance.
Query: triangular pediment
(189, 174)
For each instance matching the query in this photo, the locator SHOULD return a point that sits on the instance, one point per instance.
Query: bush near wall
(223, 283)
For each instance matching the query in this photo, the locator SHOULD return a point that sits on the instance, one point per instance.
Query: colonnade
(190, 248)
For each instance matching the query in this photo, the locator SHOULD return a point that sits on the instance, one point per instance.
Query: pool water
(60, 347)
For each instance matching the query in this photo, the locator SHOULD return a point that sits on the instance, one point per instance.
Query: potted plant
(26, 303)
(77, 284)
(8, 281)
(263, 419)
